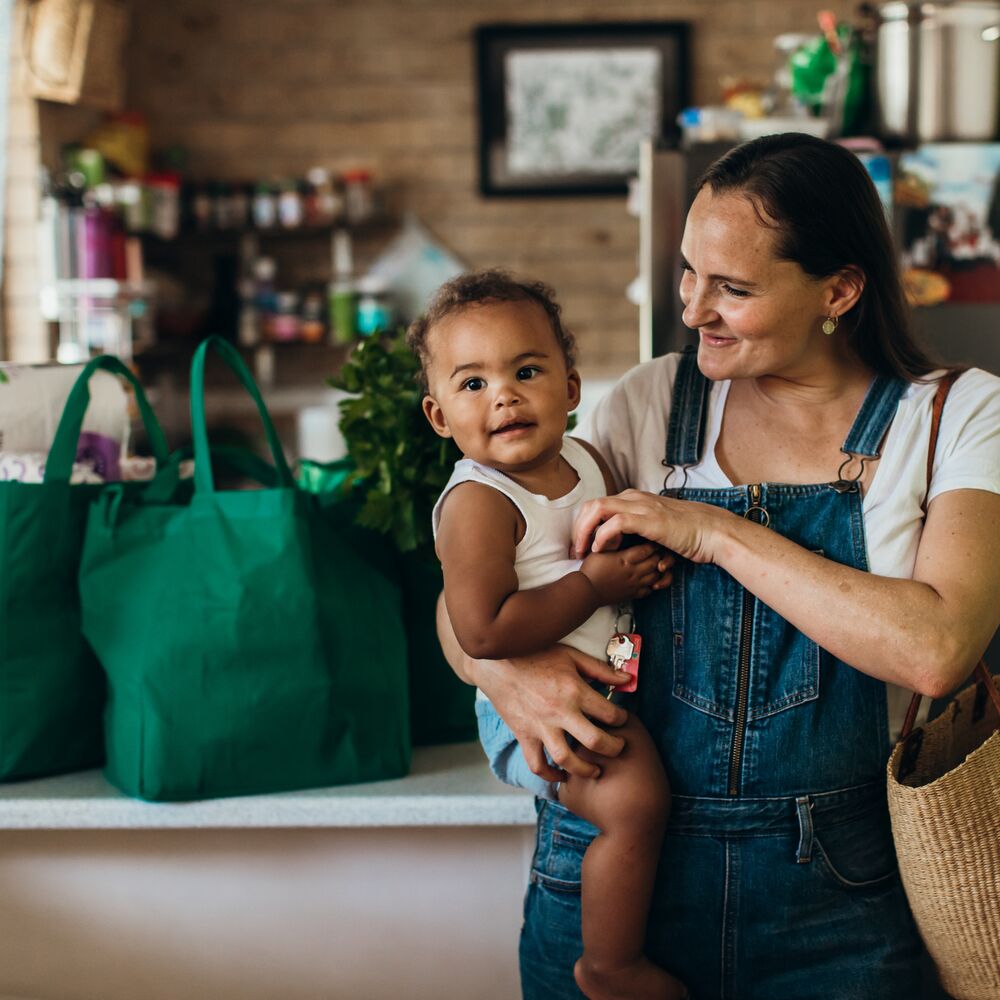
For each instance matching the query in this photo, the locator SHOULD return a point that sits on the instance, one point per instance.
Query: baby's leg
(629, 804)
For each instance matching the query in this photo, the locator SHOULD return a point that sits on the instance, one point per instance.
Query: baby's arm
(492, 619)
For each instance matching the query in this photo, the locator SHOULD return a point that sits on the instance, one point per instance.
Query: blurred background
(297, 175)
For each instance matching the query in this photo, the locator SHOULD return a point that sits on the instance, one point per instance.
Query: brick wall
(26, 338)
(271, 87)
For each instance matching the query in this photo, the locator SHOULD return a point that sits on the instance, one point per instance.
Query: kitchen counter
(346, 891)
(447, 786)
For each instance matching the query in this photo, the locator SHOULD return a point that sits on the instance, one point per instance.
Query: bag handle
(203, 480)
(981, 673)
(244, 463)
(59, 464)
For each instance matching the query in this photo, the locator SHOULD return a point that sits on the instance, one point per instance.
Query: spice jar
(312, 327)
(359, 203)
(265, 209)
(239, 206)
(264, 295)
(201, 207)
(290, 205)
(163, 202)
(285, 323)
(327, 203)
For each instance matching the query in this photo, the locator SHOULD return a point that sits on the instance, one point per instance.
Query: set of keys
(623, 654)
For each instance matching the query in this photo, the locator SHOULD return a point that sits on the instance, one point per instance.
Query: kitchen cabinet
(409, 888)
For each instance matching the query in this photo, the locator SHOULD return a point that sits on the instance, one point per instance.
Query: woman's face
(755, 315)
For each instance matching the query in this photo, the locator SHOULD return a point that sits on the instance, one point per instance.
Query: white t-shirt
(629, 427)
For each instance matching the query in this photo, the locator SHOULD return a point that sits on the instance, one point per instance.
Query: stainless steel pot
(938, 70)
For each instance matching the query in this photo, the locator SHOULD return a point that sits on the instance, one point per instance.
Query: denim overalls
(778, 877)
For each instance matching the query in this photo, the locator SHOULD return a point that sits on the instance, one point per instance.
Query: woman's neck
(832, 383)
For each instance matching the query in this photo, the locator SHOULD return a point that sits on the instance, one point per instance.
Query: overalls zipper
(754, 512)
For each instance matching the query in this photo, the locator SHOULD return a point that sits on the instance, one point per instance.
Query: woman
(786, 469)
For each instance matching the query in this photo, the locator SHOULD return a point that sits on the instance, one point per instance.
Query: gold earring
(830, 325)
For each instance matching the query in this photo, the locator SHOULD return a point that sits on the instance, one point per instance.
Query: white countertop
(447, 786)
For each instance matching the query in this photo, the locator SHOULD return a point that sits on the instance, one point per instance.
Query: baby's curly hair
(481, 288)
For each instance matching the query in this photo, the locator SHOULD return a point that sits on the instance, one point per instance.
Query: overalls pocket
(857, 855)
(563, 838)
(735, 636)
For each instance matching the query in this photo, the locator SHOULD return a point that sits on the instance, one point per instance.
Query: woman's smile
(714, 340)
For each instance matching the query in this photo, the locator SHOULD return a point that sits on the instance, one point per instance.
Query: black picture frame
(512, 138)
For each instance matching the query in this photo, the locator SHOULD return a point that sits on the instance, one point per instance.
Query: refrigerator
(950, 228)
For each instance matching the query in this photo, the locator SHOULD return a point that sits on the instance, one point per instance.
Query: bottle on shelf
(313, 328)
(248, 325)
(265, 208)
(222, 214)
(201, 208)
(342, 292)
(285, 323)
(327, 202)
(290, 205)
(264, 295)
(155, 205)
(239, 206)
(374, 312)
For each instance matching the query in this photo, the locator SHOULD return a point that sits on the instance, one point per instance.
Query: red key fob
(623, 653)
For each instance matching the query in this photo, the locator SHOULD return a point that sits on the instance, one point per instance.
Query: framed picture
(562, 107)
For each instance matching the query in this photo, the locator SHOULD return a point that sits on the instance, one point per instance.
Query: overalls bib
(778, 876)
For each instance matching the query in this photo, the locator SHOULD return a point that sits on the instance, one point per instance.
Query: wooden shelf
(187, 237)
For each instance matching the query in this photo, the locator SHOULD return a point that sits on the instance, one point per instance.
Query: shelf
(225, 236)
(101, 288)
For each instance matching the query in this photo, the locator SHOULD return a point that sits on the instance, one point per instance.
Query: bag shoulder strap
(937, 408)
(981, 673)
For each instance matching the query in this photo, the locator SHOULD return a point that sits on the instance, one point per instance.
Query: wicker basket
(944, 799)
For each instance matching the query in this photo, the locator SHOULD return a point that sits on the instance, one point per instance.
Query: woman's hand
(690, 529)
(546, 698)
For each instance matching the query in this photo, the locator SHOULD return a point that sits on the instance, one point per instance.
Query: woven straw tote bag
(944, 800)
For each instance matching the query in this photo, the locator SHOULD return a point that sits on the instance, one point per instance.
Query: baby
(498, 366)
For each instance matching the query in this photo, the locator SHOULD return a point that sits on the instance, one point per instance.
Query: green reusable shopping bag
(442, 707)
(249, 646)
(51, 685)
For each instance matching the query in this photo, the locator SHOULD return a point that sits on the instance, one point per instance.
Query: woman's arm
(925, 634)
(543, 698)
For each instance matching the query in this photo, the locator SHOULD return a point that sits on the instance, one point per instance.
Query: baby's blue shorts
(505, 756)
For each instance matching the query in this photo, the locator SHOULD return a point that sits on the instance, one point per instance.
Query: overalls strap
(874, 417)
(688, 412)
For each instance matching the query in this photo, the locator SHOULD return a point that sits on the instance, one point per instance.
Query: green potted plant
(396, 469)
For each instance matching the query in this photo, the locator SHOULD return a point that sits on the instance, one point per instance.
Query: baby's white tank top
(541, 556)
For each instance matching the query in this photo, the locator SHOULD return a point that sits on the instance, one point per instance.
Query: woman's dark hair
(477, 288)
(828, 216)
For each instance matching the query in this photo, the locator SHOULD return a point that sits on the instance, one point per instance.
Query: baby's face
(499, 385)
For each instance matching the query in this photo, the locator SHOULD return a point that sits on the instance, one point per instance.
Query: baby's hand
(620, 576)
